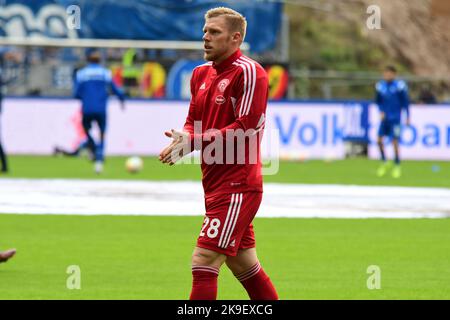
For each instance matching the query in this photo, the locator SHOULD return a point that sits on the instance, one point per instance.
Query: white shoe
(98, 167)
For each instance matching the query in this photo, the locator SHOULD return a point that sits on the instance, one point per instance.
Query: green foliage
(326, 41)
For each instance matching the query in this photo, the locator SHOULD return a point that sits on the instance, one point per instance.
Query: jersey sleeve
(190, 119)
(252, 102)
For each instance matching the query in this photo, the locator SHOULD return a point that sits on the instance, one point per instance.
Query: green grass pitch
(354, 171)
(136, 257)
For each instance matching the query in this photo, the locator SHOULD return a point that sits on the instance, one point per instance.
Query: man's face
(218, 40)
(389, 75)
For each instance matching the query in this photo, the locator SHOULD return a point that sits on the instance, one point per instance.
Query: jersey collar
(227, 62)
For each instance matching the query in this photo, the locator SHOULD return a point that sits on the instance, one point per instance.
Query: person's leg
(396, 132)
(58, 151)
(213, 244)
(74, 153)
(100, 149)
(381, 148)
(382, 132)
(244, 263)
(247, 269)
(99, 157)
(396, 171)
(205, 271)
(227, 229)
(396, 151)
(87, 119)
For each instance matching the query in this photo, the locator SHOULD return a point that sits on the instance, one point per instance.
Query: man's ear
(237, 37)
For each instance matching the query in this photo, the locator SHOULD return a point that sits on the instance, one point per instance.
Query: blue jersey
(392, 97)
(92, 84)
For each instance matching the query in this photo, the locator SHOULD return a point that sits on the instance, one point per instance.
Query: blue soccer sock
(99, 152)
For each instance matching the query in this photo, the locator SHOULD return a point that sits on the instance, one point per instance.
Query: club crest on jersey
(223, 85)
(220, 99)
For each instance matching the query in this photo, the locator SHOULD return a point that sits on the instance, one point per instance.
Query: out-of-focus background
(318, 54)
(318, 49)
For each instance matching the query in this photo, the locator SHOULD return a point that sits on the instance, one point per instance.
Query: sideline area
(120, 197)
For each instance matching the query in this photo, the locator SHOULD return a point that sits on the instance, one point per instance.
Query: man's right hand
(383, 116)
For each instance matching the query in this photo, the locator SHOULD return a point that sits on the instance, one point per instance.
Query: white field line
(117, 197)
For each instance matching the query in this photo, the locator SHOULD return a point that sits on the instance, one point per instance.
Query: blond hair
(235, 20)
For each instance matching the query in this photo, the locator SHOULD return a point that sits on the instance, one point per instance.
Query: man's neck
(225, 57)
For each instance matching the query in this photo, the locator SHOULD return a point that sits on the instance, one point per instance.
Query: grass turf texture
(354, 171)
(149, 257)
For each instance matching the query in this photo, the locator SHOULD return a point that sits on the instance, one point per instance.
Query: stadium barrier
(303, 130)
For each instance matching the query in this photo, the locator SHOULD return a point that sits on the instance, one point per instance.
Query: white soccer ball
(134, 164)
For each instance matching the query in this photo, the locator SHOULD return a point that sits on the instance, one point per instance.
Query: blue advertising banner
(178, 82)
(134, 19)
(356, 122)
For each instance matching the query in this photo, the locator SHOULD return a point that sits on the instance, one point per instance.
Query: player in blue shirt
(92, 85)
(391, 97)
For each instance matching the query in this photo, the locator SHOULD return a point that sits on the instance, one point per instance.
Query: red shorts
(227, 226)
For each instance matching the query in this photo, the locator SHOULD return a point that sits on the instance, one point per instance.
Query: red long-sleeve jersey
(230, 97)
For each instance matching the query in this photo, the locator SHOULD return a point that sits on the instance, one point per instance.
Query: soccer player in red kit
(228, 99)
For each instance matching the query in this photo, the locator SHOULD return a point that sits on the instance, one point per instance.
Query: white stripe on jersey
(230, 208)
(253, 83)
(244, 96)
(247, 87)
(236, 199)
(249, 70)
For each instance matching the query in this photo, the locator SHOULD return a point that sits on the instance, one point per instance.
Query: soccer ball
(134, 164)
